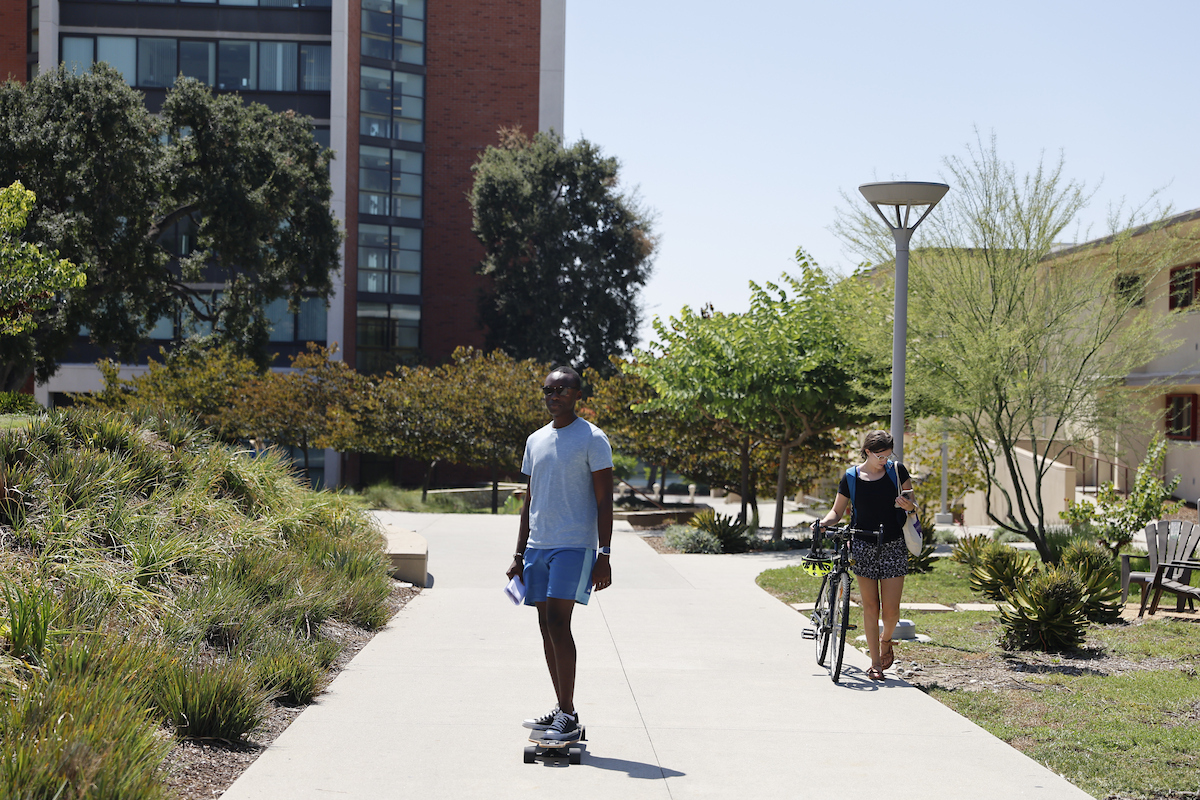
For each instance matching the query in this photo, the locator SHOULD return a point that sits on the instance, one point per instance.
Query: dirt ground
(198, 770)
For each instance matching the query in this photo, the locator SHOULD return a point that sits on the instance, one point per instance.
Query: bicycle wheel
(839, 615)
(820, 620)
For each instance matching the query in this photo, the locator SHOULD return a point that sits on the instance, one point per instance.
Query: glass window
(311, 323)
(164, 328)
(121, 53)
(199, 60)
(410, 53)
(412, 8)
(239, 2)
(1181, 416)
(238, 65)
(282, 321)
(157, 64)
(78, 53)
(315, 60)
(277, 66)
(1183, 286)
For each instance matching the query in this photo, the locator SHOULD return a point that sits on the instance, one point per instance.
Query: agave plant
(1046, 613)
(733, 535)
(1097, 571)
(971, 550)
(1001, 571)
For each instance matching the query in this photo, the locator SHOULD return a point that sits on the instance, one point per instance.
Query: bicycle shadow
(856, 680)
(634, 769)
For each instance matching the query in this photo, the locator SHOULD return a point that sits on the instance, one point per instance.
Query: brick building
(406, 92)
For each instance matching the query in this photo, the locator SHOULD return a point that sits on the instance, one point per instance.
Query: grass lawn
(9, 422)
(1120, 718)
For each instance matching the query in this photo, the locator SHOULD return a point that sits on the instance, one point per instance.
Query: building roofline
(1178, 219)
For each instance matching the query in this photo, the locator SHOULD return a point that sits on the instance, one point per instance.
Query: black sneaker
(543, 722)
(565, 728)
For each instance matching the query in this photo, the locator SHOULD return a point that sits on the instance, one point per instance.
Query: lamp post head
(906, 195)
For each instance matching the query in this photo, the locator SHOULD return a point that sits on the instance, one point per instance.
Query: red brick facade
(483, 62)
(13, 45)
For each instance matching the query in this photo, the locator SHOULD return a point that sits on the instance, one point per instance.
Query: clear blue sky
(740, 123)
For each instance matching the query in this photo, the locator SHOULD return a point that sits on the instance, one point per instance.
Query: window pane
(373, 47)
(377, 79)
(121, 52)
(281, 321)
(407, 261)
(315, 62)
(411, 8)
(199, 60)
(411, 29)
(369, 281)
(406, 130)
(376, 102)
(375, 157)
(410, 53)
(407, 184)
(412, 107)
(373, 235)
(77, 54)
(156, 62)
(238, 65)
(408, 161)
(407, 207)
(164, 328)
(313, 320)
(407, 238)
(407, 83)
(407, 337)
(406, 283)
(378, 5)
(376, 22)
(373, 204)
(277, 66)
(374, 125)
(372, 180)
(239, 2)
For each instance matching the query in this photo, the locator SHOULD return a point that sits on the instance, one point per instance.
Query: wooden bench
(409, 554)
(1175, 576)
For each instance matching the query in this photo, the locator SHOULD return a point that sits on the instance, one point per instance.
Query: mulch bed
(202, 770)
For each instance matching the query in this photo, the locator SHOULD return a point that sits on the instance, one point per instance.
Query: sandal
(876, 674)
(887, 657)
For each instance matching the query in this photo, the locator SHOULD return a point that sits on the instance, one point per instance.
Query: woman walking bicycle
(882, 496)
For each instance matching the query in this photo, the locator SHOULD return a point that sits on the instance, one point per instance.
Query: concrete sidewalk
(693, 682)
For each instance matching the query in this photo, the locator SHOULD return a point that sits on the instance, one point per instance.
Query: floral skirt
(877, 563)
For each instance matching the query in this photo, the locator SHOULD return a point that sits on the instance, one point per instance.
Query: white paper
(515, 591)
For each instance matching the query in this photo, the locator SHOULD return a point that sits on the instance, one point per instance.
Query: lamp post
(898, 195)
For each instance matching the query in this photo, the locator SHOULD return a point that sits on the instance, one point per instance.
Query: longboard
(550, 748)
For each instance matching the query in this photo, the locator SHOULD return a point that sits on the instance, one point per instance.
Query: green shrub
(18, 403)
(69, 738)
(733, 536)
(972, 550)
(1001, 571)
(30, 614)
(209, 701)
(1098, 573)
(1047, 613)
(687, 539)
(290, 671)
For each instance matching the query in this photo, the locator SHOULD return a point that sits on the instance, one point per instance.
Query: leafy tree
(29, 276)
(566, 252)
(1119, 518)
(1024, 348)
(194, 379)
(294, 409)
(923, 457)
(785, 372)
(116, 186)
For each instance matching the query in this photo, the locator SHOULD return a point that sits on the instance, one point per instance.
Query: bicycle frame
(831, 613)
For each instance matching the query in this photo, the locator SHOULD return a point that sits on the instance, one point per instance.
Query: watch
(604, 551)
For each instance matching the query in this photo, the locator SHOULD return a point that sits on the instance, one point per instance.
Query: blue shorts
(564, 573)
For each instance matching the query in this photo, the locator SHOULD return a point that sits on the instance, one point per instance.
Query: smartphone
(908, 493)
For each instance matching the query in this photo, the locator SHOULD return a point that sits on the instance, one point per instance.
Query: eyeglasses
(882, 456)
(557, 391)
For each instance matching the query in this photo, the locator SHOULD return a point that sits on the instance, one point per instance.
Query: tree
(197, 379)
(295, 408)
(565, 251)
(29, 276)
(120, 190)
(1024, 349)
(785, 372)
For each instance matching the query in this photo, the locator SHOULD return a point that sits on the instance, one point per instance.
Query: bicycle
(831, 614)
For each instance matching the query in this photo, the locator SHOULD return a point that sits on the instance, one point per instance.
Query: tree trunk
(495, 490)
(650, 480)
(662, 485)
(428, 478)
(780, 493)
(744, 490)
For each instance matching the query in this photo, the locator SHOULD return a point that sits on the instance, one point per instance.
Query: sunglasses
(557, 391)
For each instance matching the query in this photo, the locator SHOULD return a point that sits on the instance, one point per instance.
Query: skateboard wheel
(575, 755)
(530, 754)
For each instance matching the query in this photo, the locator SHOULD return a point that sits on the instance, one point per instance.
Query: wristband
(519, 555)
(604, 551)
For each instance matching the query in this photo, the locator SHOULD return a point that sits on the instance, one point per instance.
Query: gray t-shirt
(560, 463)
